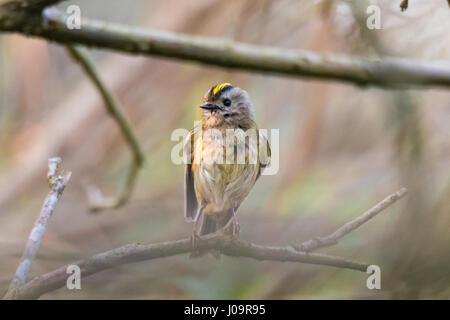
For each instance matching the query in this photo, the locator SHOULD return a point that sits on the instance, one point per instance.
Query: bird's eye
(227, 102)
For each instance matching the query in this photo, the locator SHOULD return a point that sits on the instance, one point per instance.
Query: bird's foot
(231, 228)
(194, 240)
(236, 226)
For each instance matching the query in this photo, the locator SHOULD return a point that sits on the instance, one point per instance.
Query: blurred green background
(342, 150)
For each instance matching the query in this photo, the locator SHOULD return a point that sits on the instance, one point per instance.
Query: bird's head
(225, 104)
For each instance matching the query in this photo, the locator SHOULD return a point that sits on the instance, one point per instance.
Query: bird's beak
(209, 106)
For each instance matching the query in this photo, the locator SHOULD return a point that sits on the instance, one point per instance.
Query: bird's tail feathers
(210, 223)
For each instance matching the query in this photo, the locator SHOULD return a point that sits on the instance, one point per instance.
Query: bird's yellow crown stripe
(220, 87)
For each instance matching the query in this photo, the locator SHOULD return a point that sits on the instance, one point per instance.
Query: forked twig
(140, 252)
(57, 182)
(227, 245)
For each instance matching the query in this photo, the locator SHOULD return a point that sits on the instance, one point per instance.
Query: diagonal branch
(333, 238)
(113, 108)
(389, 72)
(57, 182)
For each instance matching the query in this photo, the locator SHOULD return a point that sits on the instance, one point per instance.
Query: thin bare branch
(139, 252)
(227, 245)
(57, 182)
(389, 72)
(333, 238)
(113, 107)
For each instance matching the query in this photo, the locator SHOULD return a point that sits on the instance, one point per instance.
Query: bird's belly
(222, 185)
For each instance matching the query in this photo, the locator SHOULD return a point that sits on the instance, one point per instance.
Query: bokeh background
(342, 150)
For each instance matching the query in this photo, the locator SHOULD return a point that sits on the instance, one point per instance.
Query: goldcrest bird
(215, 187)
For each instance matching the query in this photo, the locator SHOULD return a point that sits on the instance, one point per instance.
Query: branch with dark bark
(227, 245)
(389, 72)
(113, 107)
(57, 181)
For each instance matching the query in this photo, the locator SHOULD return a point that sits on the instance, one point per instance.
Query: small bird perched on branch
(224, 158)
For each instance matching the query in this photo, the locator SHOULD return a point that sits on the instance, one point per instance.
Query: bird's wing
(191, 207)
(264, 153)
